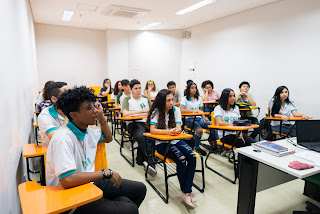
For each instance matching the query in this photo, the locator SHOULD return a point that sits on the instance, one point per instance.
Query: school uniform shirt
(176, 96)
(113, 96)
(104, 99)
(71, 151)
(153, 94)
(191, 104)
(155, 118)
(241, 100)
(49, 120)
(131, 104)
(227, 116)
(286, 110)
(122, 97)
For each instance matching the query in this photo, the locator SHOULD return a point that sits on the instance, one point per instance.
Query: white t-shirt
(155, 117)
(40, 98)
(131, 104)
(286, 110)
(191, 104)
(113, 97)
(70, 151)
(122, 97)
(153, 94)
(227, 116)
(49, 120)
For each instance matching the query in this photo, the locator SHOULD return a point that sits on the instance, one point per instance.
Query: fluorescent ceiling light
(150, 25)
(67, 15)
(195, 6)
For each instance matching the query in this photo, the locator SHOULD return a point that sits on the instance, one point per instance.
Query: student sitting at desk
(244, 97)
(150, 90)
(164, 118)
(72, 151)
(176, 94)
(105, 91)
(117, 90)
(138, 105)
(126, 91)
(209, 95)
(192, 102)
(51, 118)
(281, 106)
(227, 112)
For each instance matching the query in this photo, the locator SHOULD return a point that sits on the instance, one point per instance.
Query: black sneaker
(201, 152)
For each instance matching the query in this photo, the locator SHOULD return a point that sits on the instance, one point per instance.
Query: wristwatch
(105, 174)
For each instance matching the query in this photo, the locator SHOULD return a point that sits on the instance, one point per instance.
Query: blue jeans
(197, 123)
(185, 167)
(285, 128)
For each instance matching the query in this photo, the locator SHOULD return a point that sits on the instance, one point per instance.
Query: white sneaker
(135, 145)
(151, 171)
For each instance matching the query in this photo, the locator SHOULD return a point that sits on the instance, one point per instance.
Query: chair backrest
(268, 111)
(212, 119)
(96, 89)
(101, 157)
(109, 97)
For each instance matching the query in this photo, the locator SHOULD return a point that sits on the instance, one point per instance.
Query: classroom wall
(144, 55)
(18, 86)
(276, 44)
(73, 55)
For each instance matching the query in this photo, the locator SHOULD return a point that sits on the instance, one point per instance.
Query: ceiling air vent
(125, 12)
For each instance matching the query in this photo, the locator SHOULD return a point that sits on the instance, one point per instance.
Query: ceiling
(51, 11)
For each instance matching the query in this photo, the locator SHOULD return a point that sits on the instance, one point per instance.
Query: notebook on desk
(308, 134)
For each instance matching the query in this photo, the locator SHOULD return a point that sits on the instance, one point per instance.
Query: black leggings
(138, 130)
(229, 139)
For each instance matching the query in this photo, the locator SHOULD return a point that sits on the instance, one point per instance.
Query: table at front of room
(260, 171)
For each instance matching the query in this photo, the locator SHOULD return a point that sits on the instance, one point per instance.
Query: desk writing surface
(210, 102)
(168, 137)
(233, 128)
(33, 150)
(279, 118)
(54, 199)
(131, 118)
(280, 163)
(195, 114)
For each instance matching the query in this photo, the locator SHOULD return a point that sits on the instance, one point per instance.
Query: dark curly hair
(159, 105)
(196, 96)
(70, 101)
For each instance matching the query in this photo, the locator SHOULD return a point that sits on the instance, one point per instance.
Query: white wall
(273, 45)
(144, 55)
(18, 86)
(73, 55)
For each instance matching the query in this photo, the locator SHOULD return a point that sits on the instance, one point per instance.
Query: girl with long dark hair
(192, 102)
(227, 112)
(117, 90)
(281, 106)
(164, 118)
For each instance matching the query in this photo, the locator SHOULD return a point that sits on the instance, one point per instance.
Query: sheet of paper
(309, 156)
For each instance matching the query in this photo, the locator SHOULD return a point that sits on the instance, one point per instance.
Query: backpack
(265, 129)
(43, 105)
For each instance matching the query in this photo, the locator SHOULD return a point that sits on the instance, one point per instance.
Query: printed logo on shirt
(194, 109)
(142, 105)
(86, 163)
(226, 118)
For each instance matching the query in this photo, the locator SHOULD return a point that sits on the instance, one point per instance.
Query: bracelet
(103, 122)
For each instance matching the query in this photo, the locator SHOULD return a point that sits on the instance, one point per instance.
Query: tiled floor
(220, 196)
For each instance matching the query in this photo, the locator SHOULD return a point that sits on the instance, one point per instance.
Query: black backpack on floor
(265, 129)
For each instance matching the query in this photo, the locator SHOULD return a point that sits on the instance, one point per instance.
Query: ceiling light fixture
(150, 25)
(195, 7)
(67, 15)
